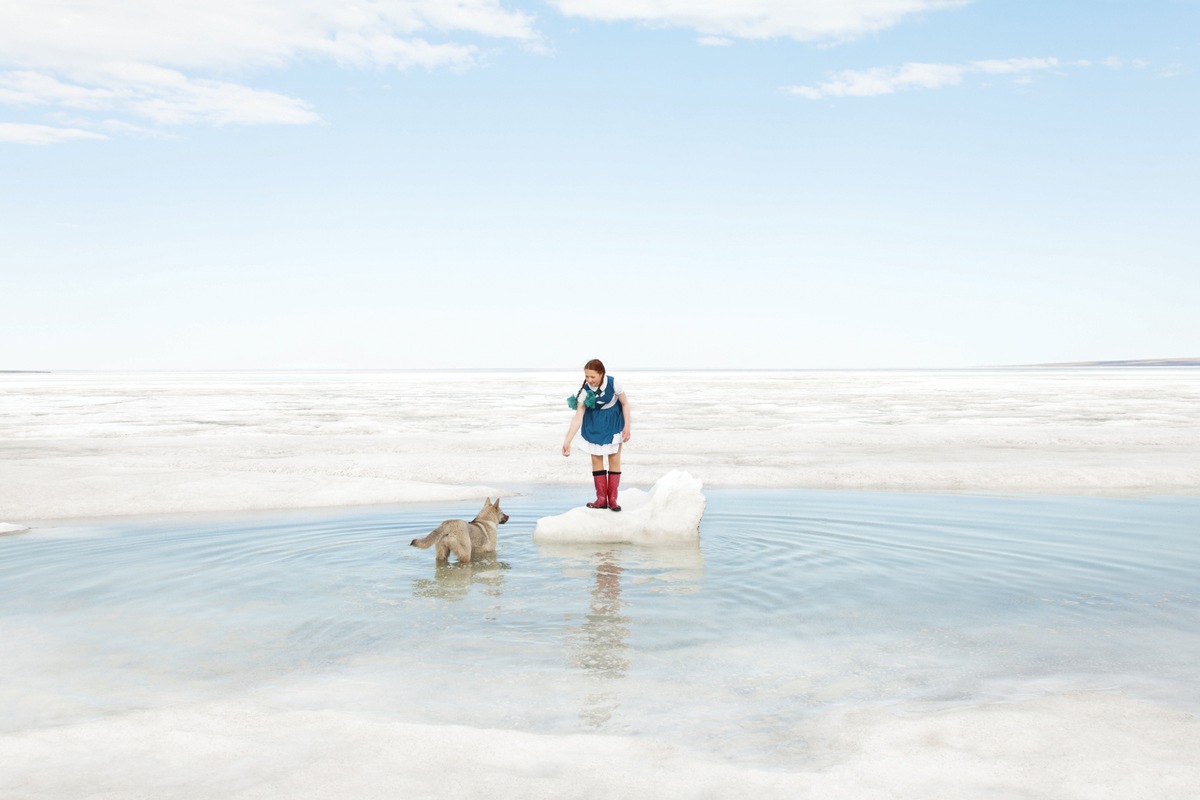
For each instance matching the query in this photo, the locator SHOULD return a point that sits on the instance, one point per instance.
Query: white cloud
(803, 20)
(220, 103)
(884, 80)
(22, 133)
(160, 95)
(177, 62)
(122, 127)
(25, 88)
(1008, 66)
(234, 34)
(916, 75)
(1116, 62)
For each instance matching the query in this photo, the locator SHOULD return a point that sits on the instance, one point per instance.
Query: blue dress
(600, 433)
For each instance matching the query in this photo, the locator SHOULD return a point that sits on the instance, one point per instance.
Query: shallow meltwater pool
(794, 609)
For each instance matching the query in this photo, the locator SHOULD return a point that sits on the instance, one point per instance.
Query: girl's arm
(625, 434)
(576, 421)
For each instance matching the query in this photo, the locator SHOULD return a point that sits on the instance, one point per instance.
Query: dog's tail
(429, 541)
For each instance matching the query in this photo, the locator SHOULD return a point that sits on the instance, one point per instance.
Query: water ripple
(793, 601)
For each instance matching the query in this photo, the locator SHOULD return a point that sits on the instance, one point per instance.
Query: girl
(600, 426)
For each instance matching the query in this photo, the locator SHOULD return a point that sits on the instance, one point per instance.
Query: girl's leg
(614, 479)
(600, 479)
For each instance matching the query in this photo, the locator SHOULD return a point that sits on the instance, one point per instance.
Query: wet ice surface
(829, 643)
(92, 444)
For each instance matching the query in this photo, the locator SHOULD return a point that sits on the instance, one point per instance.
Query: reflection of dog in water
(452, 581)
(464, 538)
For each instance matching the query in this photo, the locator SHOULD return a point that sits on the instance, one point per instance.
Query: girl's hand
(625, 435)
(566, 449)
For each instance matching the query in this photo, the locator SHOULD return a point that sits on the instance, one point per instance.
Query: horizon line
(1150, 362)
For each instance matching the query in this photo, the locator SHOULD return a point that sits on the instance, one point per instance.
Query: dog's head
(492, 510)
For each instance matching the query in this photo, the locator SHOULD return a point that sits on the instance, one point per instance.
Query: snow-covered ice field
(94, 444)
(1009, 611)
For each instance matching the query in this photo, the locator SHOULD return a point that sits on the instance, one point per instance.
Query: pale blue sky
(303, 184)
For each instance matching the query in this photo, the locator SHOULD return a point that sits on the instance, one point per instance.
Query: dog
(464, 538)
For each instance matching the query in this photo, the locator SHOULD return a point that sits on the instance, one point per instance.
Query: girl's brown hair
(596, 365)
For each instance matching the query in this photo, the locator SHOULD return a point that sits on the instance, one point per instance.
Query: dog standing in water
(464, 538)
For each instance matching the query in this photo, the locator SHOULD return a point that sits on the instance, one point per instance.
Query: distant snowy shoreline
(1145, 362)
(106, 444)
(1152, 362)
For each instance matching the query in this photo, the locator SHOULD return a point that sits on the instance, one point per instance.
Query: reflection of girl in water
(604, 630)
(603, 641)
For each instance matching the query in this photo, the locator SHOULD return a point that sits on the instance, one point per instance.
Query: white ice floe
(8, 527)
(667, 514)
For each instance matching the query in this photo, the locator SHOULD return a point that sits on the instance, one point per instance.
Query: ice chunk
(667, 514)
(8, 527)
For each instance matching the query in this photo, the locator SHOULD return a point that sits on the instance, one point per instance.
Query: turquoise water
(793, 603)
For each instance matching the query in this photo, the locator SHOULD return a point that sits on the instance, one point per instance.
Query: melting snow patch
(667, 514)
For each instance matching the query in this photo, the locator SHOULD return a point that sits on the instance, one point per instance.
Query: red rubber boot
(614, 482)
(600, 478)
